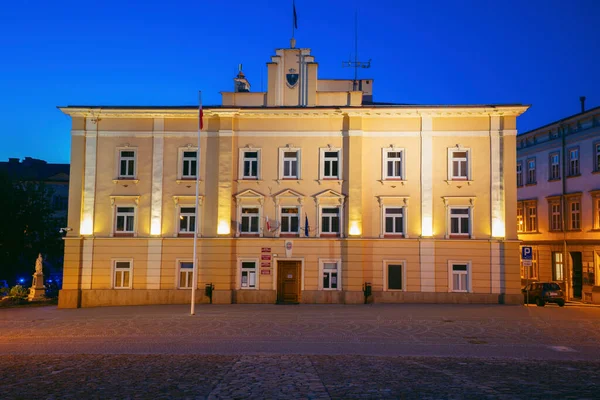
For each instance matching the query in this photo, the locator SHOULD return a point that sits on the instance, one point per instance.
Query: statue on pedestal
(37, 290)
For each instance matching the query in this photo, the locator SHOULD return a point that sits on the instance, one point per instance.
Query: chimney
(582, 100)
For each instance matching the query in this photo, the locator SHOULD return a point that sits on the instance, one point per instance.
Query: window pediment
(125, 199)
(289, 195)
(187, 199)
(329, 196)
(459, 200)
(250, 195)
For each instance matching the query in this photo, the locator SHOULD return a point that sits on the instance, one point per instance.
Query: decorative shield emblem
(292, 79)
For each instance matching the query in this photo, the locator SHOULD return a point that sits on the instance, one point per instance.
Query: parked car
(541, 293)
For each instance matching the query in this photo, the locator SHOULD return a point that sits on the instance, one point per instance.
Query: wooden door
(288, 281)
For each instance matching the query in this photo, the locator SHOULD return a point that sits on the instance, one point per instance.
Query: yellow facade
(304, 151)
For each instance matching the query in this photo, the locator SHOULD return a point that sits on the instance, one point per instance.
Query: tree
(27, 227)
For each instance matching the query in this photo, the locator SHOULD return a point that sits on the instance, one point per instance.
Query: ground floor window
(459, 279)
(330, 274)
(248, 275)
(394, 275)
(557, 266)
(186, 274)
(122, 274)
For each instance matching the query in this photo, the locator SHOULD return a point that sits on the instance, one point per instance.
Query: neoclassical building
(307, 192)
(558, 209)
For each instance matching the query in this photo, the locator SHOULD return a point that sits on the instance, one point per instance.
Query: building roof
(32, 169)
(574, 116)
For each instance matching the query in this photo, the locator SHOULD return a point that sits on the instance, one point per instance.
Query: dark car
(541, 293)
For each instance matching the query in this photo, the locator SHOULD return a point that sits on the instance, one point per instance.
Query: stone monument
(37, 290)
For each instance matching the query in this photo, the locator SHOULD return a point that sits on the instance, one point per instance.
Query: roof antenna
(356, 64)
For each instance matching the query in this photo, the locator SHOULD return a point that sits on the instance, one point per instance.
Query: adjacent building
(307, 192)
(558, 209)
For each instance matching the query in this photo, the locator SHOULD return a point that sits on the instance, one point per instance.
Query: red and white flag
(200, 114)
(268, 224)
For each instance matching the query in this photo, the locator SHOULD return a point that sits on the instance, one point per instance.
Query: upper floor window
(595, 209)
(127, 163)
(189, 164)
(289, 167)
(460, 224)
(330, 221)
(554, 166)
(520, 226)
(249, 163)
(574, 162)
(575, 215)
(394, 221)
(250, 220)
(330, 164)
(597, 157)
(555, 215)
(459, 160)
(520, 173)
(393, 163)
(125, 220)
(531, 218)
(531, 175)
(290, 221)
(187, 220)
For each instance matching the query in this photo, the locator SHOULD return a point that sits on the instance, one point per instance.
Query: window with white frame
(596, 210)
(574, 162)
(460, 221)
(393, 163)
(127, 163)
(459, 276)
(122, 274)
(531, 218)
(531, 175)
(250, 163)
(330, 220)
(520, 227)
(597, 157)
(330, 164)
(189, 164)
(394, 275)
(555, 215)
(290, 164)
(186, 274)
(520, 173)
(290, 221)
(575, 215)
(250, 220)
(554, 166)
(125, 220)
(394, 220)
(459, 164)
(187, 220)
(248, 274)
(330, 275)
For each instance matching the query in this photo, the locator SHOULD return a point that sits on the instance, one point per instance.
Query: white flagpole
(196, 224)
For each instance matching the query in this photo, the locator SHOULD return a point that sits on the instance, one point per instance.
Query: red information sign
(265, 250)
(265, 264)
(265, 272)
(265, 257)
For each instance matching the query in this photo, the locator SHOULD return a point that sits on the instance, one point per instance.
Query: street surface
(303, 351)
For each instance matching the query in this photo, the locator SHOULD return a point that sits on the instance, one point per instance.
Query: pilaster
(157, 177)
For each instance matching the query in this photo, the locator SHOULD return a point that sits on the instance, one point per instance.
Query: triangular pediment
(289, 193)
(249, 194)
(329, 194)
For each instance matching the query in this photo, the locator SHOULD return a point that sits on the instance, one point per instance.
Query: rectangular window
(460, 164)
(248, 278)
(330, 220)
(189, 164)
(532, 218)
(250, 165)
(394, 220)
(555, 216)
(597, 157)
(392, 164)
(290, 220)
(520, 227)
(330, 275)
(575, 207)
(125, 220)
(186, 274)
(557, 266)
(531, 177)
(574, 162)
(187, 219)
(459, 277)
(519, 174)
(290, 164)
(122, 274)
(596, 214)
(250, 218)
(395, 276)
(459, 221)
(126, 163)
(331, 165)
(554, 166)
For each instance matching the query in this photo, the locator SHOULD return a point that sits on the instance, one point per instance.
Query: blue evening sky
(540, 52)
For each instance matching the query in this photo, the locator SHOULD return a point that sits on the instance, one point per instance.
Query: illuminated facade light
(223, 228)
(354, 229)
(86, 227)
(427, 226)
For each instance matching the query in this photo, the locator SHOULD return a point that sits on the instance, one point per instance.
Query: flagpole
(293, 17)
(196, 224)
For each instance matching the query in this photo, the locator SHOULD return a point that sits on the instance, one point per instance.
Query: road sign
(526, 253)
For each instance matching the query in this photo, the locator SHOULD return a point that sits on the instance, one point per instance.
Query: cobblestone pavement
(292, 377)
(320, 351)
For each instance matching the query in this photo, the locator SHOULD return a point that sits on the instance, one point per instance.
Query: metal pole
(195, 238)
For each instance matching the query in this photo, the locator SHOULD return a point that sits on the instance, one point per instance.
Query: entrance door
(577, 273)
(288, 281)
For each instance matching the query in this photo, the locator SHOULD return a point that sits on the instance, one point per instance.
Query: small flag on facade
(268, 224)
(306, 229)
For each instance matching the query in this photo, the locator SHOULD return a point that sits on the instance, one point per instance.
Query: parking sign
(527, 253)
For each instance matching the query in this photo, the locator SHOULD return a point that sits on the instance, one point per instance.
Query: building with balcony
(306, 192)
(558, 209)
